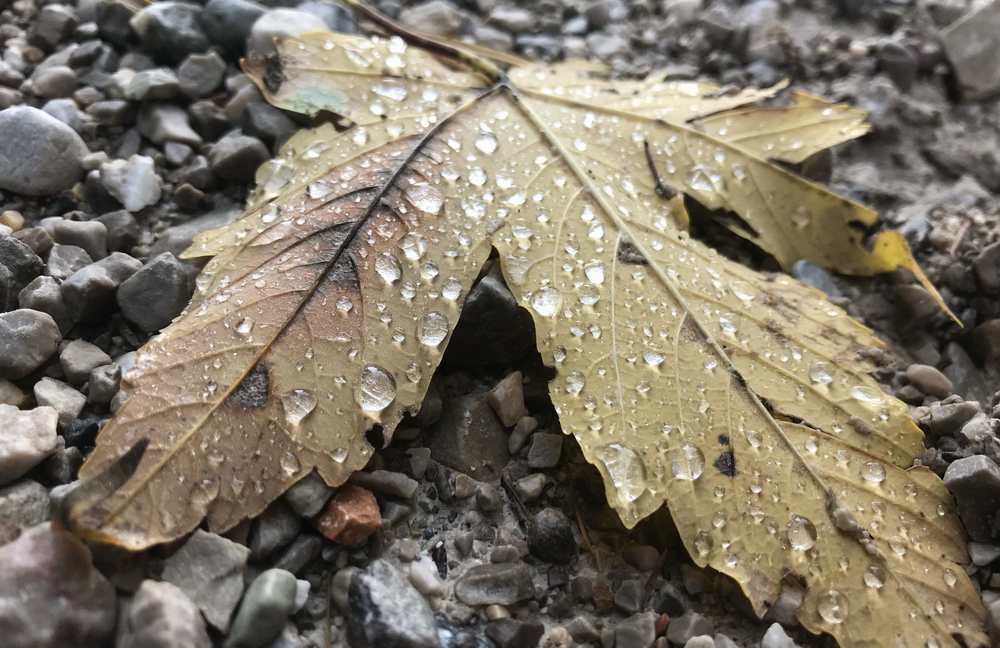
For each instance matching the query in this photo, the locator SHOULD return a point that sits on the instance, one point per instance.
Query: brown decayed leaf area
(741, 401)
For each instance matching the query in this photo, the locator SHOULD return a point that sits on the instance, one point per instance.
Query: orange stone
(350, 517)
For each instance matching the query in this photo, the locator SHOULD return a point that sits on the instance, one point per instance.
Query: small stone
(162, 123)
(723, 641)
(39, 155)
(56, 394)
(63, 465)
(502, 584)
(929, 380)
(385, 610)
(513, 19)
(22, 505)
(170, 30)
(386, 482)
(813, 275)
(112, 112)
(504, 554)
(785, 609)
(511, 633)
(970, 44)
(201, 74)
(133, 182)
(545, 450)
(507, 399)
(236, 157)
(776, 637)
(637, 631)
(488, 498)
(550, 537)
(53, 24)
(309, 495)
(51, 596)
(463, 543)
(156, 294)
(522, 430)
(463, 486)
(437, 17)
(946, 418)
(530, 488)
(209, 570)
(91, 236)
(44, 295)
(604, 45)
(265, 609)
(275, 528)
(19, 257)
(26, 438)
(228, 22)
(629, 596)
(469, 438)
(986, 267)
(27, 339)
(583, 631)
(268, 123)
(11, 394)
(160, 615)
(690, 624)
(982, 554)
(103, 384)
(670, 600)
(300, 553)
(899, 63)
(54, 81)
(424, 576)
(302, 588)
(642, 557)
(975, 483)
(66, 111)
(123, 230)
(156, 84)
(278, 23)
(79, 358)
(350, 517)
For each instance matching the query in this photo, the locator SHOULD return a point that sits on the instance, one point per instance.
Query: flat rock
(386, 610)
(265, 609)
(469, 438)
(971, 44)
(27, 339)
(79, 358)
(209, 570)
(975, 483)
(39, 155)
(26, 438)
(23, 504)
(62, 397)
(501, 584)
(156, 294)
(160, 615)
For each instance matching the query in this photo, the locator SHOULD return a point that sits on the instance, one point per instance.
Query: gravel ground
(126, 130)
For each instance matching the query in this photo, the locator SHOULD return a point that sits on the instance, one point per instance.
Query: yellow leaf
(741, 401)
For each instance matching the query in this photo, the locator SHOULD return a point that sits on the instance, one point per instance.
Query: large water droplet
(687, 463)
(546, 302)
(625, 469)
(832, 607)
(425, 197)
(245, 327)
(801, 533)
(387, 267)
(874, 577)
(486, 143)
(873, 471)
(595, 272)
(819, 373)
(433, 328)
(290, 463)
(390, 90)
(298, 404)
(377, 389)
(575, 382)
(866, 395)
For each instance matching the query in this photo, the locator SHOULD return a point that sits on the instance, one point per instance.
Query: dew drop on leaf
(298, 404)
(245, 327)
(546, 302)
(687, 463)
(832, 607)
(819, 373)
(433, 328)
(425, 197)
(377, 389)
(801, 533)
(290, 463)
(874, 577)
(873, 472)
(594, 272)
(387, 267)
(486, 143)
(625, 469)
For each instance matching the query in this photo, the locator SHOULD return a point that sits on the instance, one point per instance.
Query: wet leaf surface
(741, 401)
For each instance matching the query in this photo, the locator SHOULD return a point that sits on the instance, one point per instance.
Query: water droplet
(377, 389)
(433, 328)
(595, 272)
(832, 607)
(290, 463)
(687, 463)
(340, 455)
(949, 578)
(298, 404)
(652, 358)
(546, 302)
(703, 544)
(387, 267)
(477, 176)
(705, 178)
(743, 291)
(579, 145)
(873, 471)
(575, 382)
(865, 395)
(390, 90)
(874, 577)
(451, 290)
(344, 305)
(625, 469)
(245, 327)
(819, 373)
(425, 197)
(486, 143)
(801, 533)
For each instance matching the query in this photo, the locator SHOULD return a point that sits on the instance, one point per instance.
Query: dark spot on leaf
(252, 390)
(273, 74)
(724, 439)
(629, 253)
(376, 437)
(726, 463)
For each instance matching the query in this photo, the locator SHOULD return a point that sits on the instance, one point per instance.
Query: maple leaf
(741, 401)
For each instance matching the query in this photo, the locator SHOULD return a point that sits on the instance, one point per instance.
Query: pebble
(813, 275)
(530, 488)
(550, 536)
(502, 584)
(11, 394)
(160, 615)
(986, 267)
(300, 553)
(545, 450)
(701, 641)
(26, 438)
(163, 123)
(386, 482)
(133, 182)
(642, 557)
(54, 81)
(982, 554)
(236, 157)
(170, 30)
(44, 295)
(583, 631)
(281, 22)
(63, 398)
(201, 74)
(209, 570)
(670, 600)
(66, 111)
(156, 294)
(103, 384)
(522, 430)
(68, 603)
(53, 24)
(265, 609)
(156, 84)
(23, 504)
(637, 631)
(385, 610)
(39, 155)
(469, 438)
(776, 637)
(79, 358)
(228, 22)
(970, 44)
(512, 633)
(424, 576)
(351, 516)
(975, 483)
(309, 495)
(437, 17)
(277, 526)
(689, 624)
(27, 339)
(629, 596)
(507, 399)
(929, 380)
(90, 236)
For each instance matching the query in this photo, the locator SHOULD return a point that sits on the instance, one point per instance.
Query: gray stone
(629, 596)
(277, 23)
(386, 482)
(53, 24)
(308, 496)
(813, 275)
(22, 505)
(66, 111)
(236, 157)
(437, 17)
(337, 17)
(488, 498)
(156, 294)
(160, 615)
(178, 238)
(522, 430)
(55, 81)
(986, 267)
(946, 418)
(550, 536)
(20, 260)
(637, 631)
(701, 641)
(201, 74)
(167, 123)
(971, 44)
(27, 339)
(975, 483)
(156, 84)
(268, 123)
(982, 554)
(507, 399)
(265, 609)
(530, 488)
(545, 450)
(275, 528)
(776, 637)
(103, 384)
(90, 291)
(689, 624)
(385, 610)
(929, 380)
(604, 45)
(642, 557)
(501, 584)
(123, 230)
(785, 609)
(133, 182)
(209, 569)
(469, 438)
(26, 438)
(300, 553)
(423, 575)
(512, 633)
(50, 595)
(170, 30)
(79, 358)
(91, 236)
(582, 630)
(60, 396)
(39, 155)
(11, 394)
(228, 22)
(44, 295)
